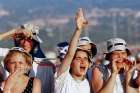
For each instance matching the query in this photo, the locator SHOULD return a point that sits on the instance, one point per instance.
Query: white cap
(35, 31)
(116, 44)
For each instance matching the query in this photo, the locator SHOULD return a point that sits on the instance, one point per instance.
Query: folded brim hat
(85, 41)
(115, 44)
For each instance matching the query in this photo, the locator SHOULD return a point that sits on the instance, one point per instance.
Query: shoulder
(96, 73)
(36, 85)
(36, 81)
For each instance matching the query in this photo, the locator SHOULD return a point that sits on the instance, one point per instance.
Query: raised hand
(114, 66)
(80, 19)
(22, 31)
(28, 30)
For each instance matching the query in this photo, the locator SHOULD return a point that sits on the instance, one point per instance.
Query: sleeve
(62, 76)
(61, 80)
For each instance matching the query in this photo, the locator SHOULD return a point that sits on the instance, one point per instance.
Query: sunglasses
(20, 50)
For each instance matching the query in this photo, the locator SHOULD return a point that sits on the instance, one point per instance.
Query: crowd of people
(25, 68)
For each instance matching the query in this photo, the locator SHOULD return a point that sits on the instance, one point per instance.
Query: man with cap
(117, 55)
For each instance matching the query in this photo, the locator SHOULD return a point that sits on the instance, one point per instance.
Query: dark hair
(35, 51)
(107, 55)
(87, 52)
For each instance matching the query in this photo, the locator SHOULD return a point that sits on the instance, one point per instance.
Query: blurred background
(107, 19)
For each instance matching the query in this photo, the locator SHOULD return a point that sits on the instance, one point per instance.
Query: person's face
(120, 56)
(62, 51)
(86, 47)
(80, 64)
(17, 61)
(26, 44)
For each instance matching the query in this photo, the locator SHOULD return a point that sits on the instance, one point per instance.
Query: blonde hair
(11, 53)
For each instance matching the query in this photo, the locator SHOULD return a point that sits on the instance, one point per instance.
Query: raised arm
(12, 32)
(109, 86)
(7, 34)
(97, 80)
(80, 23)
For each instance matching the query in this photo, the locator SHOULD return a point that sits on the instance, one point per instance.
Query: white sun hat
(84, 41)
(35, 31)
(116, 44)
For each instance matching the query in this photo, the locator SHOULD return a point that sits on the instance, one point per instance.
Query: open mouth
(118, 62)
(82, 68)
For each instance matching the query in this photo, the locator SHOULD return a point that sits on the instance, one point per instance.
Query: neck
(77, 77)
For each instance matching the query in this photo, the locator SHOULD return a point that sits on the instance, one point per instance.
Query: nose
(120, 55)
(83, 61)
(17, 65)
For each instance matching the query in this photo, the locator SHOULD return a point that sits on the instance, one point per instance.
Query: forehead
(81, 53)
(86, 46)
(119, 51)
(26, 40)
(17, 57)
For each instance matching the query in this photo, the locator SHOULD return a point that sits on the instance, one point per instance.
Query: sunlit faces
(80, 64)
(26, 44)
(17, 60)
(119, 55)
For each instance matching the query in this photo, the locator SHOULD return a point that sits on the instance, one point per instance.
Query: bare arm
(36, 86)
(80, 22)
(12, 32)
(7, 34)
(109, 86)
(96, 80)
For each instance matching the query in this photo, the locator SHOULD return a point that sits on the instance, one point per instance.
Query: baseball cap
(85, 41)
(117, 44)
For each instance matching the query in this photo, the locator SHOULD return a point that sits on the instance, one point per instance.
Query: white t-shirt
(65, 83)
(118, 88)
(3, 52)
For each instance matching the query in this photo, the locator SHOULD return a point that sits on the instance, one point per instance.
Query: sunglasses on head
(20, 50)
